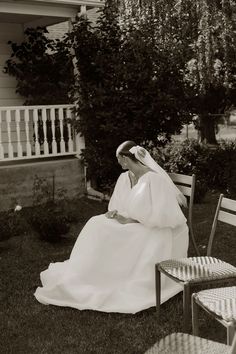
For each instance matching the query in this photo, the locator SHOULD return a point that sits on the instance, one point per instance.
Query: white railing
(28, 132)
(95, 3)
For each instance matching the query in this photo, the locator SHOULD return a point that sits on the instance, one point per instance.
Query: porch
(33, 132)
(38, 142)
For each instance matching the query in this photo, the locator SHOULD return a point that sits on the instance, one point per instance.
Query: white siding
(8, 96)
(57, 31)
(9, 32)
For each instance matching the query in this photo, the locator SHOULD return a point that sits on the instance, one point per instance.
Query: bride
(112, 264)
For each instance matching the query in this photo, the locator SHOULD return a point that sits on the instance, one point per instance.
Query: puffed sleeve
(118, 201)
(154, 205)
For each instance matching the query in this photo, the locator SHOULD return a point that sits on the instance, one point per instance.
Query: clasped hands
(120, 218)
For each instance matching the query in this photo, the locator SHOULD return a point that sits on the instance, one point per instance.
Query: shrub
(45, 191)
(221, 167)
(50, 221)
(215, 167)
(127, 89)
(12, 224)
(42, 67)
(187, 157)
(50, 217)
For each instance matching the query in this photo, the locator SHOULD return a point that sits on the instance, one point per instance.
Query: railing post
(1, 145)
(70, 141)
(53, 118)
(61, 119)
(45, 141)
(28, 145)
(37, 145)
(19, 146)
(10, 147)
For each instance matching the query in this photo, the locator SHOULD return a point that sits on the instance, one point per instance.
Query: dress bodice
(150, 201)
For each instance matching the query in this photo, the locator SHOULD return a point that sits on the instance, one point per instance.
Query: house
(22, 155)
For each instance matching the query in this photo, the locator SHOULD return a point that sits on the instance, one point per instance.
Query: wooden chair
(183, 343)
(220, 303)
(203, 270)
(186, 185)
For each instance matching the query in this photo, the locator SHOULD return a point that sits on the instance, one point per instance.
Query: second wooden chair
(203, 270)
(220, 303)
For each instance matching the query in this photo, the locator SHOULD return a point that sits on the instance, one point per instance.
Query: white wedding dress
(112, 266)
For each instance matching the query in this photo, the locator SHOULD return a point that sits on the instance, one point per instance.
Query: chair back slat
(179, 178)
(187, 191)
(186, 184)
(229, 204)
(226, 217)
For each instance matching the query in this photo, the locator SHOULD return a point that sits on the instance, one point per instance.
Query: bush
(42, 67)
(215, 167)
(127, 89)
(187, 157)
(221, 168)
(51, 215)
(50, 221)
(12, 224)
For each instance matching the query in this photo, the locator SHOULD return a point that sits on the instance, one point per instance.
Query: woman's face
(122, 161)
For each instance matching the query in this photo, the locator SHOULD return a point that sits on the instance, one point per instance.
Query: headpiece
(145, 158)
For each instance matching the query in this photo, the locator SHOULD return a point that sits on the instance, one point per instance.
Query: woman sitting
(112, 264)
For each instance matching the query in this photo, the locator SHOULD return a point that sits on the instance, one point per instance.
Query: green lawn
(224, 132)
(26, 326)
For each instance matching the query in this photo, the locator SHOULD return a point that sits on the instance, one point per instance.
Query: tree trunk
(207, 129)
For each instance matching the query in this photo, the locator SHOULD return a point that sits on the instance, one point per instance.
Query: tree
(127, 88)
(211, 68)
(42, 67)
(207, 31)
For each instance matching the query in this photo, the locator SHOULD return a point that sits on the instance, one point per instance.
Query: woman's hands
(111, 214)
(120, 218)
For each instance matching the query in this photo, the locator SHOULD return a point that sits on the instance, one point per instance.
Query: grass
(224, 132)
(27, 326)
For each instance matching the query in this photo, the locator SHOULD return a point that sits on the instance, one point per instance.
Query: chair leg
(195, 310)
(230, 333)
(187, 307)
(158, 290)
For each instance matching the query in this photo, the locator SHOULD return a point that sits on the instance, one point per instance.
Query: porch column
(80, 144)
(79, 139)
(83, 10)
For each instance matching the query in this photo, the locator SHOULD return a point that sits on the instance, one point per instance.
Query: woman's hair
(123, 149)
